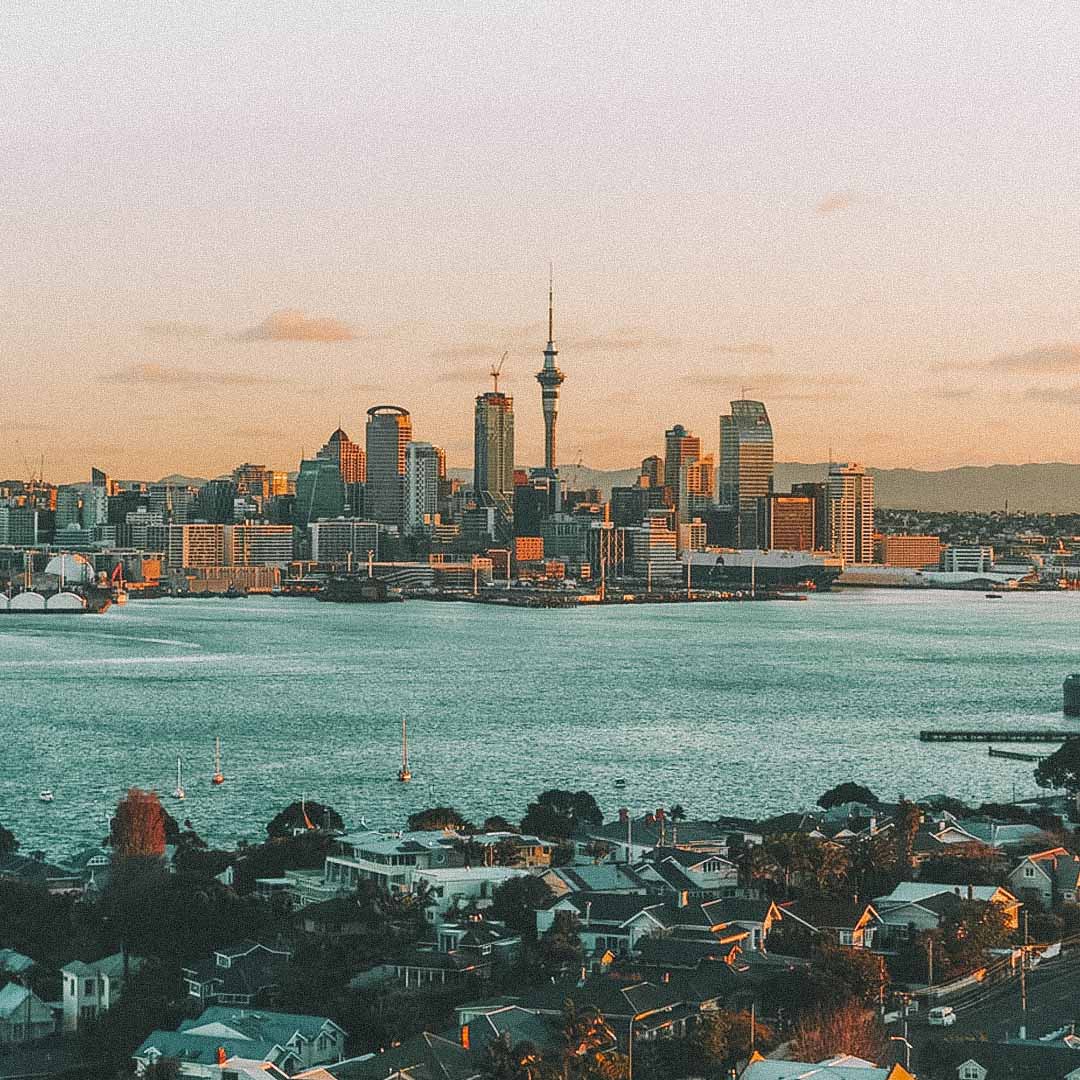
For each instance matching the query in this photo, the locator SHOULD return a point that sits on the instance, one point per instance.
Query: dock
(1020, 735)
(1015, 755)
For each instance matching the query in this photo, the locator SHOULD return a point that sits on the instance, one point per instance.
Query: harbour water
(725, 708)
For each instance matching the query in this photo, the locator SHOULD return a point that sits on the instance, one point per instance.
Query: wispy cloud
(153, 374)
(472, 351)
(296, 326)
(746, 348)
(956, 393)
(176, 331)
(465, 375)
(1054, 395)
(1058, 357)
(838, 200)
(779, 386)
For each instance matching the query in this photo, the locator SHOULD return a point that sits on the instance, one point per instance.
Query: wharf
(1015, 755)
(1020, 735)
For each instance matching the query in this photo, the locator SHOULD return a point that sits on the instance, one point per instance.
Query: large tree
(850, 1029)
(436, 818)
(516, 901)
(138, 827)
(305, 815)
(8, 844)
(1062, 768)
(559, 814)
(847, 792)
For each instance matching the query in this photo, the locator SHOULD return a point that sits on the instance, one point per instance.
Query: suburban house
(701, 875)
(846, 923)
(470, 949)
(1053, 875)
(91, 989)
(200, 1047)
(629, 839)
(974, 1059)
(607, 877)
(238, 975)
(1006, 835)
(615, 921)
(391, 860)
(944, 837)
(24, 1017)
(841, 1067)
(513, 849)
(14, 964)
(423, 1056)
(34, 870)
(454, 889)
(918, 905)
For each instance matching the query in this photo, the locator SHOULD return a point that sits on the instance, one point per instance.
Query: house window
(89, 987)
(970, 1071)
(1029, 871)
(845, 937)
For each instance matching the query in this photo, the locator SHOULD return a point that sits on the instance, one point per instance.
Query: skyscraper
(746, 467)
(550, 379)
(652, 470)
(421, 488)
(680, 448)
(389, 431)
(851, 513)
(350, 459)
(493, 449)
(320, 492)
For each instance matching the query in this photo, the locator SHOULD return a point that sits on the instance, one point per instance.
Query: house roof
(841, 1067)
(909, 891)
(249, 972)
(676, 952)
(13, 1003)
(603, 877)
(827, 913)
(259, 1025)
(110, 966)
(611, 994)
(184, 1046)
(611, 908)
(1012, 1060)
(435, 1057)
(14, 963)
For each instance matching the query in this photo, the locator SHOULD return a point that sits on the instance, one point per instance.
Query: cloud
(621, 341)
(153, 374)
(953, 394)
(747, 348)
(838, 200)
(472, 351)
(296, 326)
(779, 386)
(466, 375)
(176, 331)
(1054, 395)
(1061, 356)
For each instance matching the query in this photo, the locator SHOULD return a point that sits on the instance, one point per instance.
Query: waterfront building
(565, 536)
(819, 492)
(493, 447)
(421, 492)
(539, 498)
(320, 491)
(337, 541)
(789, 522)
(528, 548)
(697, 484)
(255, 544)
(176, 502)
(959, 558)
(81, 506)
(913, 551)
(746, 467)
(389, 431)
(479, 524)
(851, 513)
(216, 502)
(550, 379)
(680, 448)
(652, 549)
(196, 545)
(693, 535)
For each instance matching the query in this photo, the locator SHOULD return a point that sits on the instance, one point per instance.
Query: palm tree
(677, 814)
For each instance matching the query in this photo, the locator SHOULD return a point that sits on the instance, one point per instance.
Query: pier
(1020, 735)
(1015, 755)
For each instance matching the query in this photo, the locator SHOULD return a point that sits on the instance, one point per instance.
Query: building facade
(493, 449)
(746, 467)
(389, 431)
(851, 513)
(421, 489)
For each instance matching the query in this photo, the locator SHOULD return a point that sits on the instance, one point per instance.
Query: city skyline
(269, 225)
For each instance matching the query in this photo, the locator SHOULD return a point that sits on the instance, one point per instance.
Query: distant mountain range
(1050, 487)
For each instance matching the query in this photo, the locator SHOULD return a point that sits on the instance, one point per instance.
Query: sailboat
(179, 792)
(219, 777)
(404, 775)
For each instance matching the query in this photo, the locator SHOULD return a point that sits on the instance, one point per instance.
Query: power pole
(1023, 982)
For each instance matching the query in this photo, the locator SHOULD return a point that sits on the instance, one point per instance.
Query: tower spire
(551, 302)
(550, 379)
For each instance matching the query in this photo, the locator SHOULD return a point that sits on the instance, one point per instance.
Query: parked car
(941, 1016)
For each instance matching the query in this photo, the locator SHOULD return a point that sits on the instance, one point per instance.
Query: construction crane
(497, 369)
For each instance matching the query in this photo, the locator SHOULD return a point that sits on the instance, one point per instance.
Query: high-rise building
(421, 497)
(652, 549)
(216, 501)
(253, 481)
(790, 523)
(389, 431)
(819, 492)
(349, 458)
(550, 379)
(916, 551)
(320, 491)
(746, 467)
(697, 484)
(851, 513)
(223, 545)
(338, 541)
(652, 472)
(680, 448)
(493, 449)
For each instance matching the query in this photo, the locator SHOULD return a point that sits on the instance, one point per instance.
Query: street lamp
(907, 1049)
(630, 1045)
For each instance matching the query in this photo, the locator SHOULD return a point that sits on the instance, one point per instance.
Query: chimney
(222, 1057)
(465, 1036)
(624, 815)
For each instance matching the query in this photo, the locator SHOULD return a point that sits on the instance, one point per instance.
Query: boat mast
(404, 775)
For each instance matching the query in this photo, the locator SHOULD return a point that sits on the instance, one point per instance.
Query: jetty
(997, 735)
(1015, 755)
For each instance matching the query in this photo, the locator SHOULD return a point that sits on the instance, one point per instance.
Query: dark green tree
(304, 815)
(560, 945)
(516, 901)
(847, 792)
(906, 824)
(559, 814)
(1062, 768)
(8, 844)
(439, 817)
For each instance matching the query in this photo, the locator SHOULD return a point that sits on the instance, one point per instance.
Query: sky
(229, 226)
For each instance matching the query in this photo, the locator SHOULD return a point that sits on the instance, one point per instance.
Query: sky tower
(550, 379)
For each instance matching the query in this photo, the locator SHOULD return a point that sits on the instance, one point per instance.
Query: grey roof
(253, 969)
(13, 1004)
(14, 963)
(203, 1049)
(614, 908)
(434, 1058)
(110, 966)
(260, 1025)
(603, 877)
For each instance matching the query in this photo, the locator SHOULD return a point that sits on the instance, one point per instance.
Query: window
(1029, 871)
(970, 1070)
(845, 937)
(89, 986)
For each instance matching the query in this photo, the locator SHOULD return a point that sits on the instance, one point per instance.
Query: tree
(138, 827)
(496, 823)
(560, 814)
(719, 1040)
(304, 815)
(861, 971)
(516, 901)
(439, 817)
(1062, 768)
(587, 1042)
(850, 1029)
(506, 1061)
(8, 844)
(560, 945)
(906, 824)
(677, 814)
(848, 792)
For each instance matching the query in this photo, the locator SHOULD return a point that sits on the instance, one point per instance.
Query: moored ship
(769, 570)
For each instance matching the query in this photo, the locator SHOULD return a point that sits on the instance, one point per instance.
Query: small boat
(179, 793)
(219, 776)
(46, 795)
(620, 782)
(404, 775)
(993, 596)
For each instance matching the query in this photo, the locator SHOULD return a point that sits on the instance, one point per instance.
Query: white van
(941, 1016)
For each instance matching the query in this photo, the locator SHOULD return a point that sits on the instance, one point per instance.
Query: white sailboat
(219, 776)
(404, 775)
(179, 793)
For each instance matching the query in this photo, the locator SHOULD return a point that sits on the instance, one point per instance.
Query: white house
(390, 859)
(1053, 874)
(455, 888)
(92, 989)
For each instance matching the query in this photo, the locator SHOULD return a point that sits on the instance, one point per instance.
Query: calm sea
(725, 708)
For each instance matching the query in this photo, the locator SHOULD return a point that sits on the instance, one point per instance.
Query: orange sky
(225, 232)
